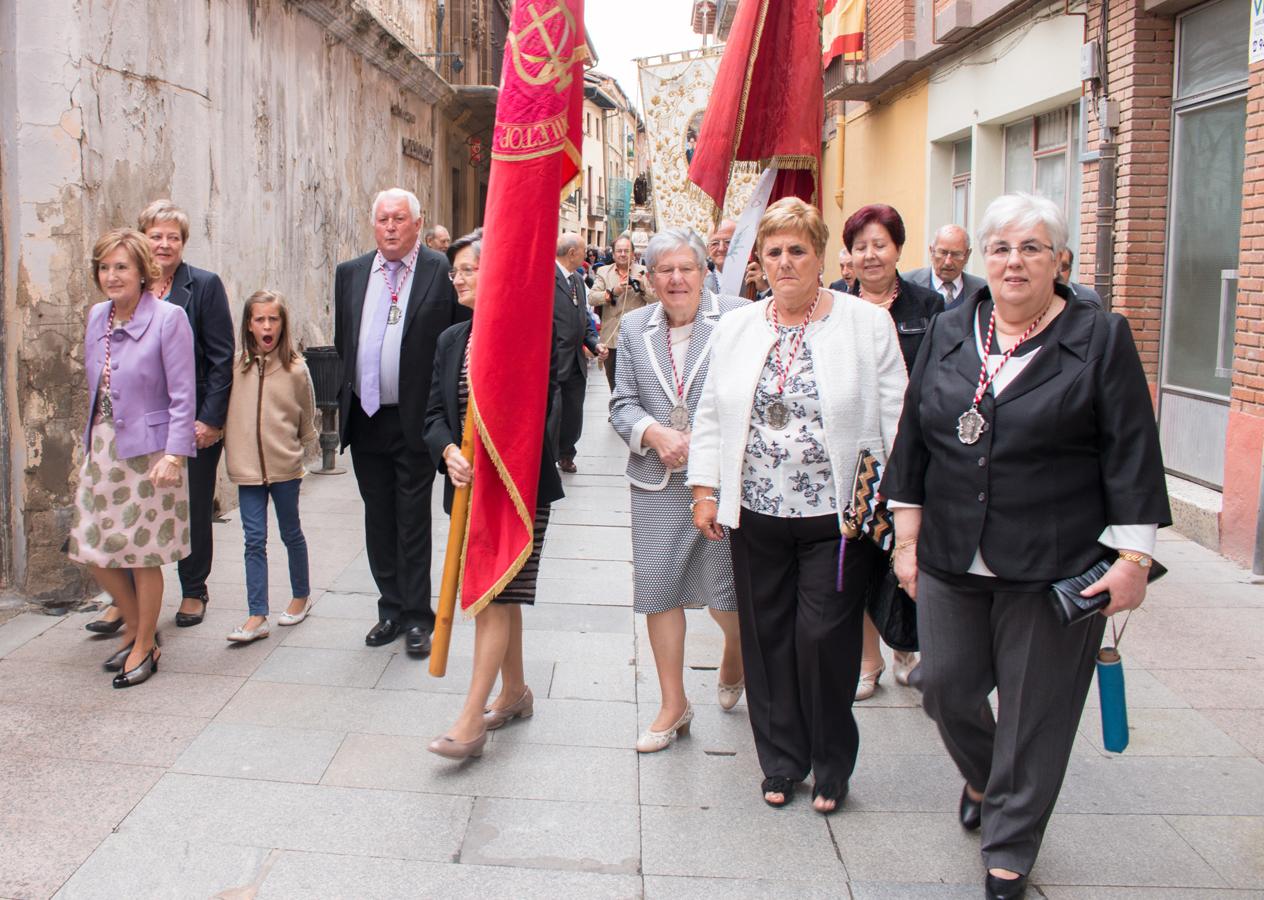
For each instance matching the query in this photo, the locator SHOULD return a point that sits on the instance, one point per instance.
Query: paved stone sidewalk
(296, 767)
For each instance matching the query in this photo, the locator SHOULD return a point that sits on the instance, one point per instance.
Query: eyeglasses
(682, 271)
(464, 271)
(1027, 250)
(716, 243)
(955, 255)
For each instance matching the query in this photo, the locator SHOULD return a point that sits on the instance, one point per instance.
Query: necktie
(949, 293)
(574, 292)
(371, 378)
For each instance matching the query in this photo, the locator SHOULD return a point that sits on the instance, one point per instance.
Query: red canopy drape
(767, 105)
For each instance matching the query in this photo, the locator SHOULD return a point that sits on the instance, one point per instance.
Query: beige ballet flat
(653, 741)
(453, 749)
(729, 694)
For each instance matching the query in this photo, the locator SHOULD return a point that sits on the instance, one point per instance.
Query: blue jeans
(253, 499)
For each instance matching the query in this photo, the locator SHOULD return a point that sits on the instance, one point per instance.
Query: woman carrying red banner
(498, 626)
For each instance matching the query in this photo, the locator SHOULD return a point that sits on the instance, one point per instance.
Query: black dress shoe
(188, 620)
(417, 641)
(567, 465)
(382, 633)
(102, 626)
(970, 811)
(1004, 888)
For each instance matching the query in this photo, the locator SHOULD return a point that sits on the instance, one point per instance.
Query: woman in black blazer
(874, 236)
(202, 296)
(498, 627)
(1006, 477)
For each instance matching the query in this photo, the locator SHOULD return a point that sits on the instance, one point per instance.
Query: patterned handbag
(867, 513)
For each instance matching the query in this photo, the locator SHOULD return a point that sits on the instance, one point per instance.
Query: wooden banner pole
(442, 637)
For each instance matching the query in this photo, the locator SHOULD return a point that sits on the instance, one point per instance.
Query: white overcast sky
(624, 30)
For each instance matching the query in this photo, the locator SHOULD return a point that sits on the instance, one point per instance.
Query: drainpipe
(1257, 565)
(1104, 254)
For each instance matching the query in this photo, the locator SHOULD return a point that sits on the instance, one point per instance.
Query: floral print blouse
(786, 472)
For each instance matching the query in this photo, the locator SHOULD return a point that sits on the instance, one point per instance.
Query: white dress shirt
(377, 295)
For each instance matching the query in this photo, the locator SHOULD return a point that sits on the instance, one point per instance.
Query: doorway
(1205, 216)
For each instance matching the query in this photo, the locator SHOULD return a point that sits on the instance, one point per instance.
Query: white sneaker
(294, 618)
(243, 635)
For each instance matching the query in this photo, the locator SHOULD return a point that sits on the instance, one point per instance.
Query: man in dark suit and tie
(389, 308)
(576, 340)
(946, 275)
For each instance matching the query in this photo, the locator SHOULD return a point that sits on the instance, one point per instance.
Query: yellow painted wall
(879, 156)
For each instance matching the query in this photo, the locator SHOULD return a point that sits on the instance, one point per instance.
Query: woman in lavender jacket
(132, 501)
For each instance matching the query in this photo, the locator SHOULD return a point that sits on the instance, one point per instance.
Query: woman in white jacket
(799, 385)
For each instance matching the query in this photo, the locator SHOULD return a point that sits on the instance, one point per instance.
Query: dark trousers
(395, 483)
(801, 641)
(195, 568)
(973, 641)
(571, 418)
(609, 367)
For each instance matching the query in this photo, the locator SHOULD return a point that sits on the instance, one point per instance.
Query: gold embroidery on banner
(553, 65)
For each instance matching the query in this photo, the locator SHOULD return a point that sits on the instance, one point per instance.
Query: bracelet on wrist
(709, 498)
(1140, 559)
(904, 545)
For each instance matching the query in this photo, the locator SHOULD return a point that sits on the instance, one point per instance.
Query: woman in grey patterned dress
(664, 352)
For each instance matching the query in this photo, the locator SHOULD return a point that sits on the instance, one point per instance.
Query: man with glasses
(618, 289)
(949, 253)
(717, 248)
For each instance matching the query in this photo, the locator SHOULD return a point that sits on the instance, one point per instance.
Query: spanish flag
(535, 161)
(843, 31)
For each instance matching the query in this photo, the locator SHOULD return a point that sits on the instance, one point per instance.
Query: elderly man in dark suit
(390, 307)
(1079, 291)
(946, 275)
(576, 340)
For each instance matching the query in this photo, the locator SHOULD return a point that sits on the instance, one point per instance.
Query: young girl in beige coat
(271, 418)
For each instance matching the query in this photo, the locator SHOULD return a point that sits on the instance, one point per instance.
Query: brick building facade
(1141, 118)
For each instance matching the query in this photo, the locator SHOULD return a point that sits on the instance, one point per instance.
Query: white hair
(945, 230)
(414, 205)
(1024, 211)
(567, 242)
(669, 240)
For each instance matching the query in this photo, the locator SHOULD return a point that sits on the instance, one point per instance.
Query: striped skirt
(522, 588)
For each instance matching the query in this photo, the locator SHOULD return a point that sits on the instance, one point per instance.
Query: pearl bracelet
(709, 498)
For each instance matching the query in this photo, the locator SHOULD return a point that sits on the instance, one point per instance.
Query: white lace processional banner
(675, 89)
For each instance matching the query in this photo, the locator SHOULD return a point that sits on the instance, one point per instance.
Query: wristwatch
(1139, 558)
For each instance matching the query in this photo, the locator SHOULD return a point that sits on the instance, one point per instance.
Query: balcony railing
(596, 205)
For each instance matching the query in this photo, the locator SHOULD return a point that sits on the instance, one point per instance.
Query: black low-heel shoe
(115, 662)
(188, 620)
(778, 784)
(970, 812)
(139, 675)
(995, 888)
(101, 626)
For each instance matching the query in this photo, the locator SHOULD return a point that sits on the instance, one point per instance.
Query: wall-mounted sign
(417, 150)
(1257, 32)
(399, 112)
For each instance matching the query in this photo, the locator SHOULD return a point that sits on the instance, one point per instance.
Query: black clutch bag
(1070, 607)
(893, 612)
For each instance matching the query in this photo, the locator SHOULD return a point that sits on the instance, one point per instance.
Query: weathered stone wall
(249, 114)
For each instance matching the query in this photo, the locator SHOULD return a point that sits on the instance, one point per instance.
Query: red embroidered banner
(535, 157)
